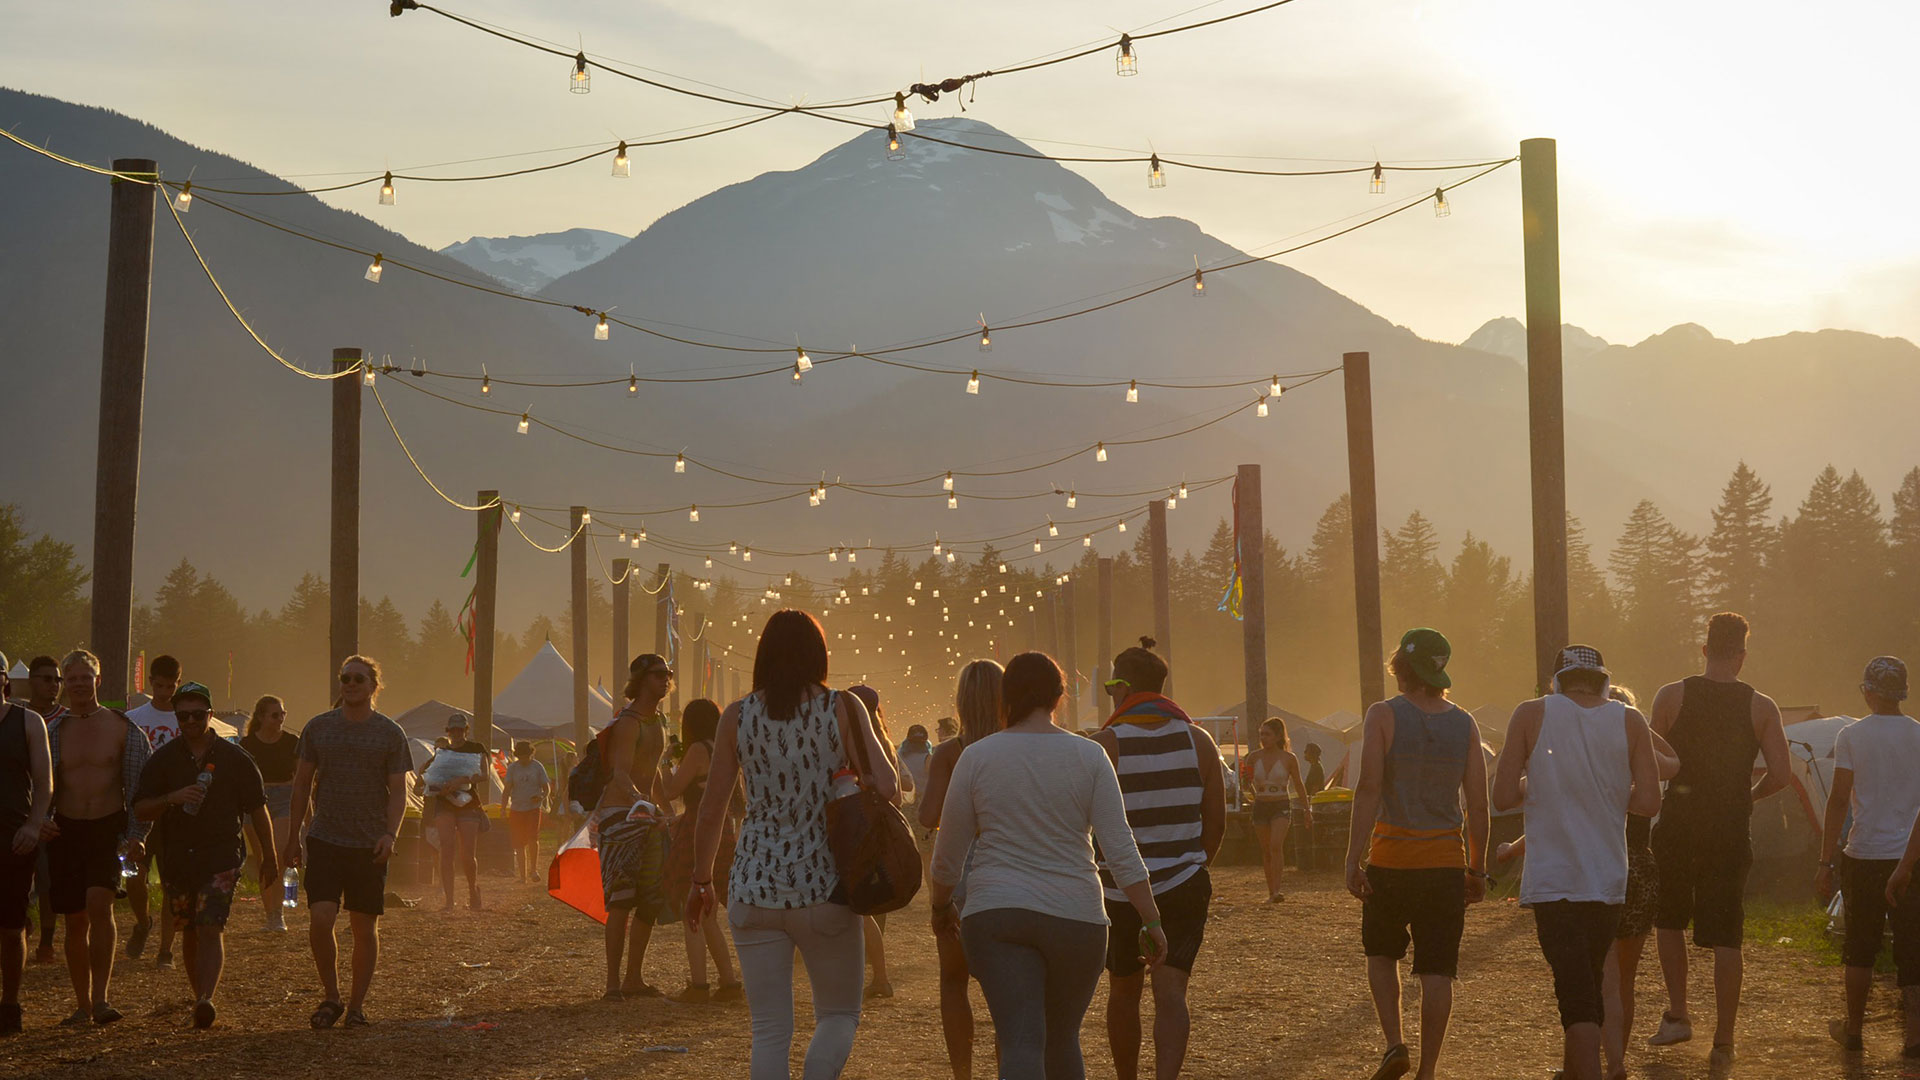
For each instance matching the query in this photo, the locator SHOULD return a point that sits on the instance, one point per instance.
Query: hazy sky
(1740, 167)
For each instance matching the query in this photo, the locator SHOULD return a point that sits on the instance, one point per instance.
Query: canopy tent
(428, 720)
(18, 671)
(541, 697)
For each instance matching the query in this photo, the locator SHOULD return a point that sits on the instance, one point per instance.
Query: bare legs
(616, 937)
(708, 939)
(956, 1009)
(873, 928)
(458, 838)
(1436, 1008)
(1171, 1023)
(203, 950)
(366, 952)
(91, 940)
(1623, 965)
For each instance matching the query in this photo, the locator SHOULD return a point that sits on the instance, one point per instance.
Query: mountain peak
(531, 263)
(1683, 334)
(1507, 336)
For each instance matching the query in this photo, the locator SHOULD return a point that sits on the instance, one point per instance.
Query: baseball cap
(1887, 677)
(1427, 651)
(193, 689)
(1579, 658)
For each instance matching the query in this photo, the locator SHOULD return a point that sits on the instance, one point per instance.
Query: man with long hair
(632, 845)
(1414, 860)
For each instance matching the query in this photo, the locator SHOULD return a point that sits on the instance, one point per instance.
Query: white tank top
(1578, 780)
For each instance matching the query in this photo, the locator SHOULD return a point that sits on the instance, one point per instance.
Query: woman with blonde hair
(1275, 773)
(277, 752)
(976, 697)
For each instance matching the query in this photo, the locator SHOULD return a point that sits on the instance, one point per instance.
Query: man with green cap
(1414, 860)
(203, 787)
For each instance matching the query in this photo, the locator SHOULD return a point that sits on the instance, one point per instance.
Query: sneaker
(732, 991)
(694, 994)
(203, 1014)
(1837, 1031)
(1394, 1063)
(1720, 1059)
(78, 1017)
(1671, 1031)
(137, 939)
(10, 1018)
(164, 961)
(104, 1013)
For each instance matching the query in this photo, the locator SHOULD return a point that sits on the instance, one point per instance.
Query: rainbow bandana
(1143, 707)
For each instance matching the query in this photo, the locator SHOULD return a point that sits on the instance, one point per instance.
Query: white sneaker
(1671, 1031)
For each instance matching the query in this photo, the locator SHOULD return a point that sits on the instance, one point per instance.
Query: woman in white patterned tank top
(785, 741)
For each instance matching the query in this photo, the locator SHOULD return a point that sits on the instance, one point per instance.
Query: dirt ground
(1279, 992)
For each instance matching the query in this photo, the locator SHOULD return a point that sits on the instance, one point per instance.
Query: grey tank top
(1420, 786)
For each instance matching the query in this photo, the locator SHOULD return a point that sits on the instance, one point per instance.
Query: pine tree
(1592, 612)
(1655, 566)
(1476, 597)
(1741, 546)
(1903, 559)
(1833, 587)
(1412, 581)
(42, 609)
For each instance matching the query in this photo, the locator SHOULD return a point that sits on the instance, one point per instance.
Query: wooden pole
(123, 379)
(1033, 628)
(660, 645)
(1070, 653)
(1249, 526)
(486, 587)
(1546, 421)
(578, 549)
(1358, 368)
(1050, 619)
(343, 563)
(622, 594)
(1103, 629)
(1162, 596)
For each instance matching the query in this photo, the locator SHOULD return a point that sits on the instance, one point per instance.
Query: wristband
(1151, 925)
(707, 884)
(1481, 874)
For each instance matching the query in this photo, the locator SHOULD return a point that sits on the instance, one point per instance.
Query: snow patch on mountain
(531, 263)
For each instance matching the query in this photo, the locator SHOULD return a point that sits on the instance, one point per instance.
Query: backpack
(589, 776)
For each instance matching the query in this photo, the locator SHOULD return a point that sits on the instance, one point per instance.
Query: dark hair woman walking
(787, 740)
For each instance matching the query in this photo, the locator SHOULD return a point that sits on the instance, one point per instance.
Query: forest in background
(1828, 584)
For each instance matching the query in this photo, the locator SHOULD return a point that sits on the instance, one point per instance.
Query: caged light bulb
(1440, 207)
(1156, 176)
(746, 554)
(833, 554)
(386, 191)
(634, 542)
(524, 422)
(1100, 451)
(1378, 185)
(936, 550)
(622, 165)
(679, 463)
(902, 118)
(949, 556)
(850, 558)
(894, 153)
(580, 81)
(1133, 392)
(183, 199)
(813, 498)
(733, 547)
(973, 383)
(375, 268)
(1126, 64)
(642, 534)
(709, 562)
(586, 518)
(366, 373)
(600, 328)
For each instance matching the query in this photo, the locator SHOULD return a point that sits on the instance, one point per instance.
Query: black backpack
(588, 777)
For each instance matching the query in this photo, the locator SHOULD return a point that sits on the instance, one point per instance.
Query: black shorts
(1863, 885)
(1425, 907)
(1574, 937)
(1265, 810)
(1183, 918)
(346, 876)
(1703, 878)
(16, 882)
(86, 855)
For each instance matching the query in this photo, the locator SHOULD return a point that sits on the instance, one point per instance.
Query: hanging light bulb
(1183, 489)
(1036, 544)
(486, 382)
(947, 484)
(973, 383)
(936, 551)
(1440, 207)
(679, 463)
(580, 82)
(183, 199)
(802, 363)
(1124, 62)
(1052, 529)
(366, 373)
(1087, 540)
(374, 268)
(949, 556)
(1378, 185)
(902, 118)
(1172, 502)
(1261, 408)
(515, 515)
(693, 513)
(986, 335)
(953, 501)
(746, 555)
(622, 166)
(1274, 389)
(600, 328)
(1199, 282)
(733, 548)
(525, 420)
(850, 558)
(1073, 499)
(1099, 451)
(813, 498)
(1156, 176)
(386, 190)
(1133, 392)
(1123, 526)
(894, 153)
(709, 562)
(633, 381)
(634, 543)
(586, 518)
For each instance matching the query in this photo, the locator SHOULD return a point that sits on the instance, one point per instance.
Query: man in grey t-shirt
(353, 767)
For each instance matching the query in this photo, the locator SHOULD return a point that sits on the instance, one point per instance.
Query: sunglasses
(184, 715)
(351, 678)
(1113, 684)
(668, 672)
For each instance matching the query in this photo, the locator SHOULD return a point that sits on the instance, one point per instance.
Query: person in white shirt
(1876, 778)
(156, 720)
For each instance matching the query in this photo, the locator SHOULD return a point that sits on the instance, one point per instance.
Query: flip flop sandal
(327, 1015)
(356, 1018)
(1395, 1063)
(104, 1013)
(78, 1017)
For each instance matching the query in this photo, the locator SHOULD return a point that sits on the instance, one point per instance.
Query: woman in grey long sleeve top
(1028, 800)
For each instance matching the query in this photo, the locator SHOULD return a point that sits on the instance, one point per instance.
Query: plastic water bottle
(204, 781)
(290, 884)
(129, 867)
(845, 782)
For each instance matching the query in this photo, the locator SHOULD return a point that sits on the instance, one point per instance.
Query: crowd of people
(1052, 856)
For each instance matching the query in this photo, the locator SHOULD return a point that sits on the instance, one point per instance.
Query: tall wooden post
(123, 380)
(1162, 596)
(1103, 630)
(660, 612)
(1050, 621)
(486, 588)
(1546, 421)
(622, 585)
(1249, 525)
(1033, 628)
(1070, 653)
(578, 549)
(343, 563)
(1358, 368)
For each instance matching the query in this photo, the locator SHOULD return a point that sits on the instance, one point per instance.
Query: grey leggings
(834, 950)
(1038, 973)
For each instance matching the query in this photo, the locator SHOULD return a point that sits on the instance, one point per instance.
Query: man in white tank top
(1580, 763)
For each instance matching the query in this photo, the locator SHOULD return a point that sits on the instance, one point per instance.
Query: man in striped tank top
(1175, 794)
(1417, 855)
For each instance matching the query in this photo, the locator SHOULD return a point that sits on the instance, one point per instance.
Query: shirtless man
(633, 744)
(97, 757)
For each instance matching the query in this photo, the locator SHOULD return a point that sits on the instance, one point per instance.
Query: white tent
(18, 671)
(542, 695)
(428, 720)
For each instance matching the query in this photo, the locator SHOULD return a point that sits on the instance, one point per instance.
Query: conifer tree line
(1828, 582)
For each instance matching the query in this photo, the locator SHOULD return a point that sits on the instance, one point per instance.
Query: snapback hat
(1579, 658)
(193, 689)
(1427, 652)
(1887, 677)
